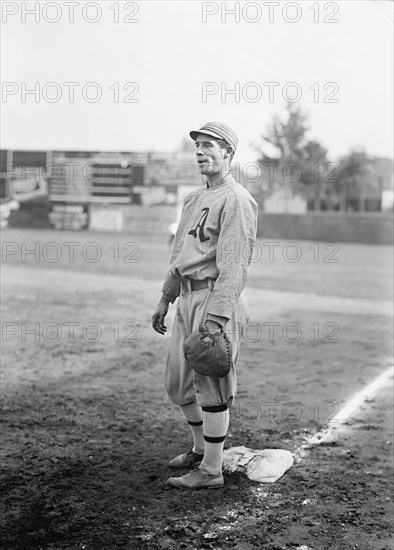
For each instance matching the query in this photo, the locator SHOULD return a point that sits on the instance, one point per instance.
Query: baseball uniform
(214, 242)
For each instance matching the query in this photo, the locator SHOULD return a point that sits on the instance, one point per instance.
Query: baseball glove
(208, 354)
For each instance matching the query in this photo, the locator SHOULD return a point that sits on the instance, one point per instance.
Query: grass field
(88, 429)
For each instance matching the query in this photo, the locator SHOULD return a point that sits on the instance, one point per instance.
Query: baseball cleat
(196, 479)
(187, 460)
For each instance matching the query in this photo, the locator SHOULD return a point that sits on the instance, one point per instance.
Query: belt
(190, 285)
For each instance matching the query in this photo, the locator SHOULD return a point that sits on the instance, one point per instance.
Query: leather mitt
(208, 354)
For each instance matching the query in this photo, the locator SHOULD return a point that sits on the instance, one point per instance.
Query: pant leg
(183, 385)
(216, 391)
(178, 379)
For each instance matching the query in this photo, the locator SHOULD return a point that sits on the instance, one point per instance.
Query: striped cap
(217, 130)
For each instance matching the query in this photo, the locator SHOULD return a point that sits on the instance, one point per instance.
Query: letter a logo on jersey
(200, 227)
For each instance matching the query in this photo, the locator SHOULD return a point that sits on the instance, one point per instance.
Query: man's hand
(159, 316)
(213, 327)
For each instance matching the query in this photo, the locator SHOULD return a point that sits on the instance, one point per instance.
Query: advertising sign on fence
(69, 216)
(106, 218)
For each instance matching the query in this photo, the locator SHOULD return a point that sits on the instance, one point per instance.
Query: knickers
(185, 386)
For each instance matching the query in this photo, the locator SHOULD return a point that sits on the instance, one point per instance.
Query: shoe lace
(192, 474)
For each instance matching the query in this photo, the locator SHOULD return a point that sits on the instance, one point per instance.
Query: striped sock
(192, 413)
(215, 430)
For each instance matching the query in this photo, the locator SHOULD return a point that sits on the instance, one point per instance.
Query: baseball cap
(218, 130)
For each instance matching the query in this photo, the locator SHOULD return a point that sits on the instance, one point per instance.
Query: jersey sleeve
(172, 283)
(171, 287)
(217, 318)
(236, 241)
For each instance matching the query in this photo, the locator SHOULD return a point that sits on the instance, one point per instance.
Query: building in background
(375, 189)
(91, 189)
(99, 190)
(371, 191)
(282, 201)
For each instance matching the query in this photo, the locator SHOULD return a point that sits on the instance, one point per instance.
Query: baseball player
(208, 271)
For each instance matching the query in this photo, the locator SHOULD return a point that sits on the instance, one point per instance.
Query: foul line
(349, 409)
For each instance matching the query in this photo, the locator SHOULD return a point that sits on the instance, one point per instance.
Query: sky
(149, 64)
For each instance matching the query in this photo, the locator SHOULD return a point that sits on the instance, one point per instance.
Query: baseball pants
(182, 384)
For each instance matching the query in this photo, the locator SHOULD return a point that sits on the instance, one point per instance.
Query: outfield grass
(328, 269)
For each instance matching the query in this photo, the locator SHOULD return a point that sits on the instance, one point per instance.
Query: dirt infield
(88, 431)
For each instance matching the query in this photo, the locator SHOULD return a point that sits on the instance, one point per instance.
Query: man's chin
(208, 169)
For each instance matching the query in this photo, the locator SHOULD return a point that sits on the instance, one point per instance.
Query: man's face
(210, 155)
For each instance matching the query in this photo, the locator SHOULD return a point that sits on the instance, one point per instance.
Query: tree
(317, 180)
(288, 137)
(301, 163)
(353, 172)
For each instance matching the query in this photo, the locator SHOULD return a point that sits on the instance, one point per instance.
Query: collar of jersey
(226, 180)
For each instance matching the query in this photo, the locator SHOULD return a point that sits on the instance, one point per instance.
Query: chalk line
(351, 407)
